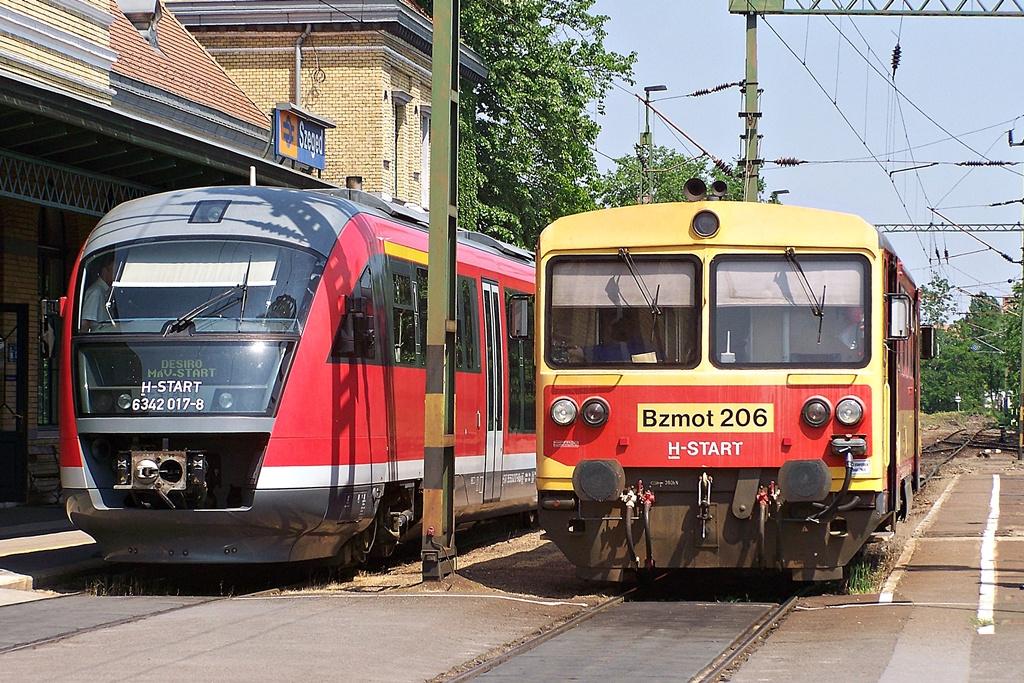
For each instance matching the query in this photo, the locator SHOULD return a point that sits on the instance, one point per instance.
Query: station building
(102, 102)
(364, 65)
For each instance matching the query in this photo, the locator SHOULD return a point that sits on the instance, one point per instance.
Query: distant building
(364, 65)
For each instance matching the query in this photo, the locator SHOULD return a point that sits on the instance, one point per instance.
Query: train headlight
(564, 412)
(594, 412)
(226, 400)
(849, 411)
(705, 223)
(816, 411)
(124, 401)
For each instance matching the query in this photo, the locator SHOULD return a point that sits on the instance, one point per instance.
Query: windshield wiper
(184, 321)
(651, 301)
(109, 303)
(817, 308)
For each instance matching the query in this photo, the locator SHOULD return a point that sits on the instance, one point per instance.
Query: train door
(13, 403)
(900, 380)
(494, 372)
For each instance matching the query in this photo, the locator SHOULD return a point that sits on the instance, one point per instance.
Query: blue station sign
(300, 136)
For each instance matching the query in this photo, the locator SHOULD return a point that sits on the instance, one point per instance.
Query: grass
(861, 578)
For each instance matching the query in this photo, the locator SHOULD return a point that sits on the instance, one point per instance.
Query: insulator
(708, 91)
(896, 52)
(724, 167)
(987, 162)
(789, 161)
(938, 258)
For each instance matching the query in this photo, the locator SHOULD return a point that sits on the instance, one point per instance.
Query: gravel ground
(525, 564)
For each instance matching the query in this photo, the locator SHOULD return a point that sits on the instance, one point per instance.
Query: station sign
(300, 136)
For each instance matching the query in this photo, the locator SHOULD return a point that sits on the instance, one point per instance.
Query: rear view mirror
(520, 316)
(900, 307)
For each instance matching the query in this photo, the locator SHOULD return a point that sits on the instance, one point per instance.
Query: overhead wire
(899, 97)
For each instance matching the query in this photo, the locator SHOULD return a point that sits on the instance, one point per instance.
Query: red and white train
(246, 378)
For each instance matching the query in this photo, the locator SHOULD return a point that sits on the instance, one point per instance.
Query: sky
(830, 98)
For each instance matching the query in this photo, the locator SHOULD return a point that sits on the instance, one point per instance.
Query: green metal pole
(750, 113)
(438, 548)
(1020, 310)
(645, 160)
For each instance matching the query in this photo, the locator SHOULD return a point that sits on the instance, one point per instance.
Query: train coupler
(704, 503)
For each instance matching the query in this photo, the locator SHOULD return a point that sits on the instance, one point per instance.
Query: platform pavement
(39, 547)
(952, 611)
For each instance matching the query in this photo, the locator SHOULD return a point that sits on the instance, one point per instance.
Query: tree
(936, 301)
(972, 361)
(669, 170)
(526, 156)
(1011, 343)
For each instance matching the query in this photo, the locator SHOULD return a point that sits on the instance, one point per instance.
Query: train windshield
(638, 311)
(789, 310)
(198, 286)
(160, 378)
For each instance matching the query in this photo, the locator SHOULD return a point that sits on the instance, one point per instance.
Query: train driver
(620, 341)
(97, 296)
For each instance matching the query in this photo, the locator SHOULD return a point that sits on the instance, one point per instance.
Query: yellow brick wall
(344, 79)
(55, 67)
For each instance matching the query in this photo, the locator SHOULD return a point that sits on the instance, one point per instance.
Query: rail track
(709, 637)
(988, 439)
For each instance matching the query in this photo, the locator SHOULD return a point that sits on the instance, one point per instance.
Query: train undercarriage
(731, 519)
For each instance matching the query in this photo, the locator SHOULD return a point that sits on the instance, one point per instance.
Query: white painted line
(908, 549)
(987, 590)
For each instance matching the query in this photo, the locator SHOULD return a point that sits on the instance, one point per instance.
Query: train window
(778, 310)
(200, 286)
(522, 385)
(421, 318)
(355, 337)
(467, 352)
(209, 211)
(403, 315)
(158, 376)
(605, 312)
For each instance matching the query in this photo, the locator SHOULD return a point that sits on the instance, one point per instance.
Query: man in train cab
(620, 341)
(97, 296)
(852, 334)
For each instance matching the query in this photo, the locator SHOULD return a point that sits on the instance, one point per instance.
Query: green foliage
(977, 359)
(668, 169)
(1009, 334)
(936, 300)
(532, 138)
(861, 578)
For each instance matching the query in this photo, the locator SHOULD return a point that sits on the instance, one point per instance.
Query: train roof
(311, 219)
(742, 223)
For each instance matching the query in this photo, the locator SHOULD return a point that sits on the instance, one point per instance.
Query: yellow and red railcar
(723, 385)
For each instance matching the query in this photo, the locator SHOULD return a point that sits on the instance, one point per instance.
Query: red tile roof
(181, 66)
(419, 10)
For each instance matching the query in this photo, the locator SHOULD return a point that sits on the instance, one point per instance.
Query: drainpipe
(298, 64)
